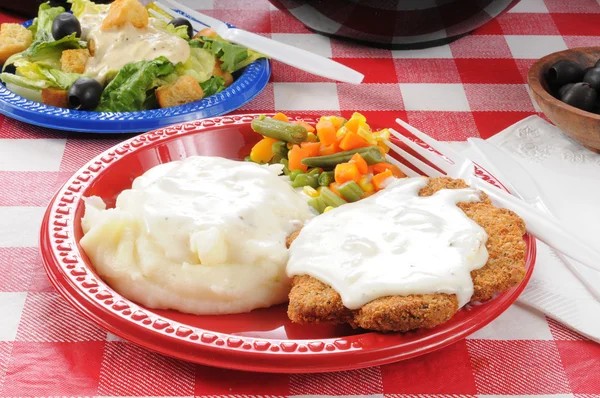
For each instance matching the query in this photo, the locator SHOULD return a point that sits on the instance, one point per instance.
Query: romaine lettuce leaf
(130, 88)
(23, 81)
(39, 75)
(199, 65)
(213, 85)
(82, 7)
(233, 56)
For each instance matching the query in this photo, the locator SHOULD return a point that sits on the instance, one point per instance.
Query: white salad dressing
(394, 243)
(205, 235)
(116, 47)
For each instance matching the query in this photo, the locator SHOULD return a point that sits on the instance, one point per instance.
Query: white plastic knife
(520, 183)
(294, 56)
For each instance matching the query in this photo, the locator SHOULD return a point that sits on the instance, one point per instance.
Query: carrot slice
(295, 157)
(383, 166)
(352, 140)
(334, 188)
(262, 151)
(311, 148)
(326, 132)
(346, 172)
(327, 150)
(379, 179)
(361, 164)
(352, 124)
(307, 126)
(281, 117)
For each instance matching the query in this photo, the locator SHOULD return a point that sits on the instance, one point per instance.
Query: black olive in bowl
(564, 72)
(592, 76)
(580, 95)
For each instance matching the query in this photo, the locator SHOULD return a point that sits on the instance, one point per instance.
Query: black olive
(592, 77)
(597, 63)
(563, 72)
(182, 21)
(65, 24)
(563, 89)
(10, 69)
(580, 95)
(85, 94)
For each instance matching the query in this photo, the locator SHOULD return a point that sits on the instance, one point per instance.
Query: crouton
(208, 32)
(92, 47)
(123, 11)
(14, 38)
(217, 71)
(185, 89)
(74, 60)
(55, 97)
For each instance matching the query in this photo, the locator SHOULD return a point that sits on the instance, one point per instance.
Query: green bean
(280, 148)
(306, 179)
(282, 131)
(371, 154)
(351, 191)
(330, 198)
(275, 159)
(317, 203)
(285, 164)
(247, 159)
(326, 178)
(315, 171)
(294, 174)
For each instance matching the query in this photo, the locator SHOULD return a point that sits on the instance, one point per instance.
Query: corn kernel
(359, 116)
(310, 191)
(365, 184)
(311, 137)
(327, 209)
(366, 135)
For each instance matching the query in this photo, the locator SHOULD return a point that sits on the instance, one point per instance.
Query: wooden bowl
(582, 126)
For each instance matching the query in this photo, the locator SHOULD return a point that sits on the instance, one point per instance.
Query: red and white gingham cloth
(474, 87)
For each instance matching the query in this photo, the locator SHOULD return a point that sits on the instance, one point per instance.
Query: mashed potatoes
(205, 235)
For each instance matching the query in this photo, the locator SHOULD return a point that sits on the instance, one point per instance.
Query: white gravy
(116, 47)
(394, 243)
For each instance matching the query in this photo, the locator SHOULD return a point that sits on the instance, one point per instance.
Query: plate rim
(251, 82)
(99, 303)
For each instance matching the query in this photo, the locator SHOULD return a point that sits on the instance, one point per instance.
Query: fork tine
(421, 135)
(158, 15)
(405, 169)
(424, 167)
(196, 25)
(428, 155)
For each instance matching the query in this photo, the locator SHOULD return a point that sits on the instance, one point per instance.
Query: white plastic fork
(453, 164)
(296, 57)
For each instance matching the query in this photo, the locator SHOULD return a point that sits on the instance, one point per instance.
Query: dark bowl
(395, 23)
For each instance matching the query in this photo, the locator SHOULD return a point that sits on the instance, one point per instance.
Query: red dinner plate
(262, 340)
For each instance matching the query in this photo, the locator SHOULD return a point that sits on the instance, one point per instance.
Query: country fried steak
(311, 301)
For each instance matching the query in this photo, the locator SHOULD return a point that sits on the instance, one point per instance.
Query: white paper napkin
(568, 176)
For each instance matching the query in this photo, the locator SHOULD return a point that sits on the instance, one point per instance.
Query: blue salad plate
(249, 82)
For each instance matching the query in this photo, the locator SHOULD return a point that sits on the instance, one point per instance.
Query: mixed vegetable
(334, 162)
(54, 68)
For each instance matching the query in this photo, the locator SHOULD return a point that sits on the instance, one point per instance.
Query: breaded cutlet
(311, 301)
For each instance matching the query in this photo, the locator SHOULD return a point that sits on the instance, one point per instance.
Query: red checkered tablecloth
(475, 86)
